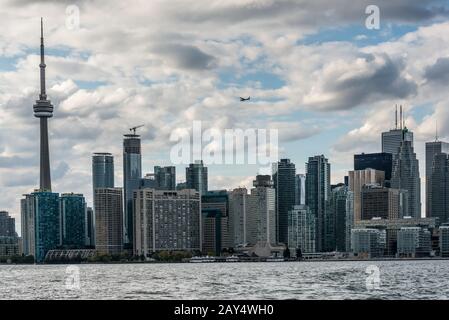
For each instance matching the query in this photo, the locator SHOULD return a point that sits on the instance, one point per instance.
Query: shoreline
(225, 262)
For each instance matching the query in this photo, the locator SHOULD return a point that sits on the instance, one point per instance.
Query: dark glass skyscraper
(165, 177)
(432, 149)
(284, 173)
(405, 176)
(300, 189)
(7, 225)
(41, 224)
(102, 170)
(439, 188)
(132, 175)
(73, 220)
(378, 161)
(196, 177)
(318, 190)
(43, 109)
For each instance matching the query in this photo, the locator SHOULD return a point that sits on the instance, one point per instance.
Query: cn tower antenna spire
(43, 94)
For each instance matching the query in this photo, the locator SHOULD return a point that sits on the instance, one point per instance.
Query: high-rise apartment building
(109, 220)
(382, 202)
(165, 177)
(7, 225)
(238, 203)
(301, 229)
(72, 208)
(433, 149)
(167, 220)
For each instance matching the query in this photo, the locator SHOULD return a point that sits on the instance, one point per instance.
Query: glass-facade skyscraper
(165, 177)
(196, 177)
(378, 161)
(405, 176)
(102, 170)
(318, 190)
(73, 220)
(391, 140)
(300, 189)
(132, 176)
(439, 188)
(432, 149)
(284, 173)
(41, 224)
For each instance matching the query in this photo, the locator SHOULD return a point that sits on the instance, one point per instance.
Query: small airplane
(244, 99)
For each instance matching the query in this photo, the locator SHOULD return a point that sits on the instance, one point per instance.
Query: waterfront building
(109, 220)
(167, 220)
(318, 191)
(196, 177)
(284, 173)
(357, 180)
(238, 202)
(432, 149)
(41, 223)
(261, 213)
(132, 176)
(72, 208)
(444, 241)
(216, 223)
(9, 246)
(368, 243)
(392, 226)
(339, 219)
(301, 230)
(413, 242)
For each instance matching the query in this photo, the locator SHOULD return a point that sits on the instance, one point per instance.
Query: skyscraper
(318, 188)
(102, 170)
(238, 202)
(72, 208)
(132, 175)
(439, 188)
(90, 227)
(300, 189)
(360, 178)
(196, 177)
(109, 220)
(216, 224)
(167, 220)
(261, 214)
(165, 177)
(284, 173)
(378, 161)
(43, 109)
(339, 219)
(405, 176)
(301, 229)
(432, 149)
(7, 225)
(41, 223)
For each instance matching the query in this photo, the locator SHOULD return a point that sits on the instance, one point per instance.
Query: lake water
(289, 280)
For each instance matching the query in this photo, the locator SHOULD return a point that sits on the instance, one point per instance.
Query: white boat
(202, 259)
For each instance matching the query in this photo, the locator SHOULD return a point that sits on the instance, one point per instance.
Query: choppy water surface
(292, 280)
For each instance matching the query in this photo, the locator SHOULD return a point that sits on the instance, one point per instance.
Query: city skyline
(82, 102)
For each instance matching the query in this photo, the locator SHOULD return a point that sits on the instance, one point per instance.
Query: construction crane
(133, 129)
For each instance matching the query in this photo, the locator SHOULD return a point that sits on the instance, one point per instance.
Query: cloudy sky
(312, 68)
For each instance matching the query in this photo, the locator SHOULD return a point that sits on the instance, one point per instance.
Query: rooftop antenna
(396, 118)
(403, 120)
(400, 118)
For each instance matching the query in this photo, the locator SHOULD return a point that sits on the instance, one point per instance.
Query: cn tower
(43, 109)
